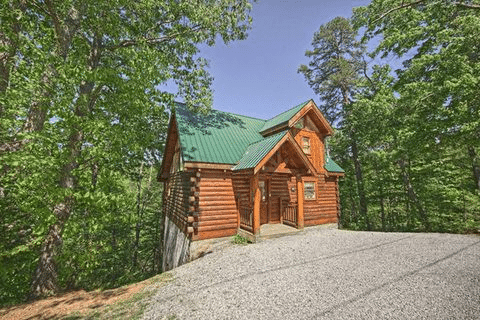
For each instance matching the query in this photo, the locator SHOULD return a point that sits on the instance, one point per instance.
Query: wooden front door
(264, 203)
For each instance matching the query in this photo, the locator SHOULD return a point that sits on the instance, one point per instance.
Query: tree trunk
(359, 179)
(412, 196)
(382, 210)
(475, 166)
(139, 216)
(45, 278)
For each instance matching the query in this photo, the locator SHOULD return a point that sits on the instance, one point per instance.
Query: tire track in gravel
(278, 268)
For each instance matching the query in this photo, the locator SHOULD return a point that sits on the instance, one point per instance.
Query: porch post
(300, 216)
(256, 205)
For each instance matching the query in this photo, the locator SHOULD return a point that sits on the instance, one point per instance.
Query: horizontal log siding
(324, 208)
(177, 198)
(217, 208)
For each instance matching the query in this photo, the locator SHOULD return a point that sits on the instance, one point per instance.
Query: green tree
(439, 81)
(421, 141)
(337, 62)
(79, 104)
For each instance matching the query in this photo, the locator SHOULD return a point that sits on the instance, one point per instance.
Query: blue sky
(258, 76)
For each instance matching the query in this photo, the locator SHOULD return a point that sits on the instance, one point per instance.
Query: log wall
(324, 208)
(176, 206)
(217, 206)
(205, 203)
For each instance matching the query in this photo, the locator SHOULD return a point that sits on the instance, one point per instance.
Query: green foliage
(336, 60)
(82, 119)
(238, 239)
(418, 133)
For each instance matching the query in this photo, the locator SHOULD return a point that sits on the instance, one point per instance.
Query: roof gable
(283, 118)
(258, 150)
(258, 154)
(288, 119)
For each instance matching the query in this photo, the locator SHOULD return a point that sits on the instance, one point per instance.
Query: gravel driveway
(325, 273)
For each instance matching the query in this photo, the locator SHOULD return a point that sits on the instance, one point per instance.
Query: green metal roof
(283, 117)
(228, 138)
(218, 137)
(331, 166)
(258, 150)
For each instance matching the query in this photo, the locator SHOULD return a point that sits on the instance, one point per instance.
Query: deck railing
(246, 218)
(289, 214)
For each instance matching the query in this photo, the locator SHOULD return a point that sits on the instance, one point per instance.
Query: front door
(265, 195)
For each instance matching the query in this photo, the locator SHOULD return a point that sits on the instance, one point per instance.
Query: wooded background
(82, 125)
(408, 139)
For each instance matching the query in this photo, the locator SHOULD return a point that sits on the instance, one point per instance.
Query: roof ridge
(236, 114)
(241, 115)
(289, 109)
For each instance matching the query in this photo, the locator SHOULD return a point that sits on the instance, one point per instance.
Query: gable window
(306, 145)
(309, 190)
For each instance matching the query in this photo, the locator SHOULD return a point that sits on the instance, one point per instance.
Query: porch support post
(300, 216)
(256, 205)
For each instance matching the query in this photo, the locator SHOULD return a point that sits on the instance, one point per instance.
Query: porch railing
(246, 218)
(289, 214)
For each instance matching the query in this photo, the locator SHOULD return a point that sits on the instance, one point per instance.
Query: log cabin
(224, 172)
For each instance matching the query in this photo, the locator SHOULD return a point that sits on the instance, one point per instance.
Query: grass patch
(131, 308)
(127, 302)
(238, 239)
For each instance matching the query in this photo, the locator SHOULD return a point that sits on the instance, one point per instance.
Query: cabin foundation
(176, 246)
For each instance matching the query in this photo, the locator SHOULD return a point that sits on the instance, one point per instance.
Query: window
(309, 190)
(306, 145)
(261, 185)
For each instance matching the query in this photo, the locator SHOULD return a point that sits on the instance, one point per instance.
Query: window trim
(314, 190)
(307, 145)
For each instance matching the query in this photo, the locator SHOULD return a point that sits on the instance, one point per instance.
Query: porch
(269, 186)
(270, 230)
(251, 226)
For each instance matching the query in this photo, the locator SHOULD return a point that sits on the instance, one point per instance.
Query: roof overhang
(207, 165)
(172, 137)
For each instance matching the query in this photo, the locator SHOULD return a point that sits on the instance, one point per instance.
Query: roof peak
(298, 105)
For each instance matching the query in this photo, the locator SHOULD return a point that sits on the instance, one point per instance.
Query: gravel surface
(330, 274)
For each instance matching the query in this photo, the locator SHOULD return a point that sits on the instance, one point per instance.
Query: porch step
(268, 231)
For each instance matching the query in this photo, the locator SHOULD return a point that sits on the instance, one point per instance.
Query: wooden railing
(289, 214)
(246, 218)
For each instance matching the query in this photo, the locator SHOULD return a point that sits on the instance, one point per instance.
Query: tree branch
(151, 41)
(466, 5)
(412, 4)
(402, 6)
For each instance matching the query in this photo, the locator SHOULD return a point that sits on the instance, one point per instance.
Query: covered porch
(271, 208)
(268, 231)
(274, 201)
